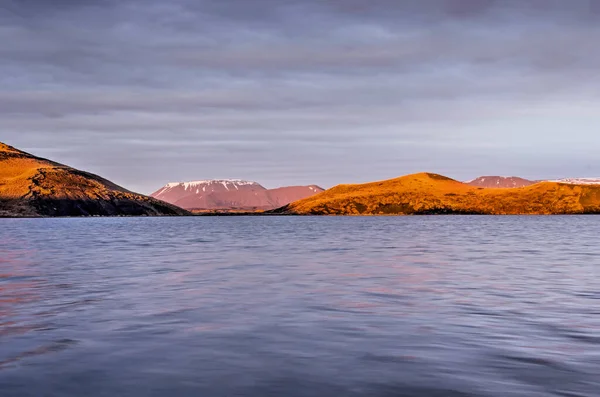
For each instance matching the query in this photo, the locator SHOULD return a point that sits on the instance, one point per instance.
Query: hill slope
(32, 186)
(231, 194)
(427, 193)
(500, 182)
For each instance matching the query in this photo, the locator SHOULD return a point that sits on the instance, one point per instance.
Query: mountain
(31, 186)
(231, 194)
(259, 200)
(579, 181)
(204, 194)
(500, 182)
(285, 195)
(427, 193)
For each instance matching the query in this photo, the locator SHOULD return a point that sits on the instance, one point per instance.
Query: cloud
(146, 91)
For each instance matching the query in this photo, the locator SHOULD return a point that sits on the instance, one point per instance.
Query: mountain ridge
(231, 194)
(428, 193)
(32, 186)
(500, 182)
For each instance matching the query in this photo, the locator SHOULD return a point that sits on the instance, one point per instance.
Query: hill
(31, 186)
(500, 182)
(231, 195)
(428, 193)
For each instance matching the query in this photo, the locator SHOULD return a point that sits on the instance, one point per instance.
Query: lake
(440, 306)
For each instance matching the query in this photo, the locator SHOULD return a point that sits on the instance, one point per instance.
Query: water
(300, 306)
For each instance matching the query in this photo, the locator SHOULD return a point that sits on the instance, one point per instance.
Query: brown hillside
(32, 186)
(427, 193)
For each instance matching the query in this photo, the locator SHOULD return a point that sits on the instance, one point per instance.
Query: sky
(282, 92)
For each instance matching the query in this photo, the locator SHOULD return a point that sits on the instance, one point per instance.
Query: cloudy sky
(286, 92)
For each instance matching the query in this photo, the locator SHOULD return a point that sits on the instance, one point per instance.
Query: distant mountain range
(31, 186)
(578, 181)
(506, 182)
(500, 182)
(428, 193)
(231, 194)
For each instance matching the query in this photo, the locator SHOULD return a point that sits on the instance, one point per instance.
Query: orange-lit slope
(427, 193)
(32, 186)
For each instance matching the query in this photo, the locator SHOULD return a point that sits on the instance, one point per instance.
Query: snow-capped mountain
(513, 181)
(213, 184)
(578, 181)
(224, 194)
(500, 182)
(198, 192)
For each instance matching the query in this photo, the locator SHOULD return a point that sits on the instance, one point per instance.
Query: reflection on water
(295, 306)
(18, 285)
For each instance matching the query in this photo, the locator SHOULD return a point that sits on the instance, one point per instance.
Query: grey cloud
(347, 43)
(284, 89)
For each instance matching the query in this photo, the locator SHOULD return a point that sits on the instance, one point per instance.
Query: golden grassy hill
(428, 193)
(32, 186)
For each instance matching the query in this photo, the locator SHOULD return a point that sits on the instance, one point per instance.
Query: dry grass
(435, 194)
(13, 173)
(4, 148)
(25, 179)
(23, 175)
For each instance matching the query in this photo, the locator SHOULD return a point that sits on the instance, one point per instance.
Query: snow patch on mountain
(227, 183)
(578, 181)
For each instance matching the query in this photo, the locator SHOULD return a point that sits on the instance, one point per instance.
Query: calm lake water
(300, 306)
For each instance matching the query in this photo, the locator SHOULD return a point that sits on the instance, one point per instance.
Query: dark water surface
(300, 306)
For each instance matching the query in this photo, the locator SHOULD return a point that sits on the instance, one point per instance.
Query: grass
(27, 182)
(427, 193)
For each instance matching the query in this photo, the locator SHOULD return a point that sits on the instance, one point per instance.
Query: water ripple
(307, 306)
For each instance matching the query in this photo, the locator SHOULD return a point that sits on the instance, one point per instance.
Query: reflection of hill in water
(25, 305)
(19, 287)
